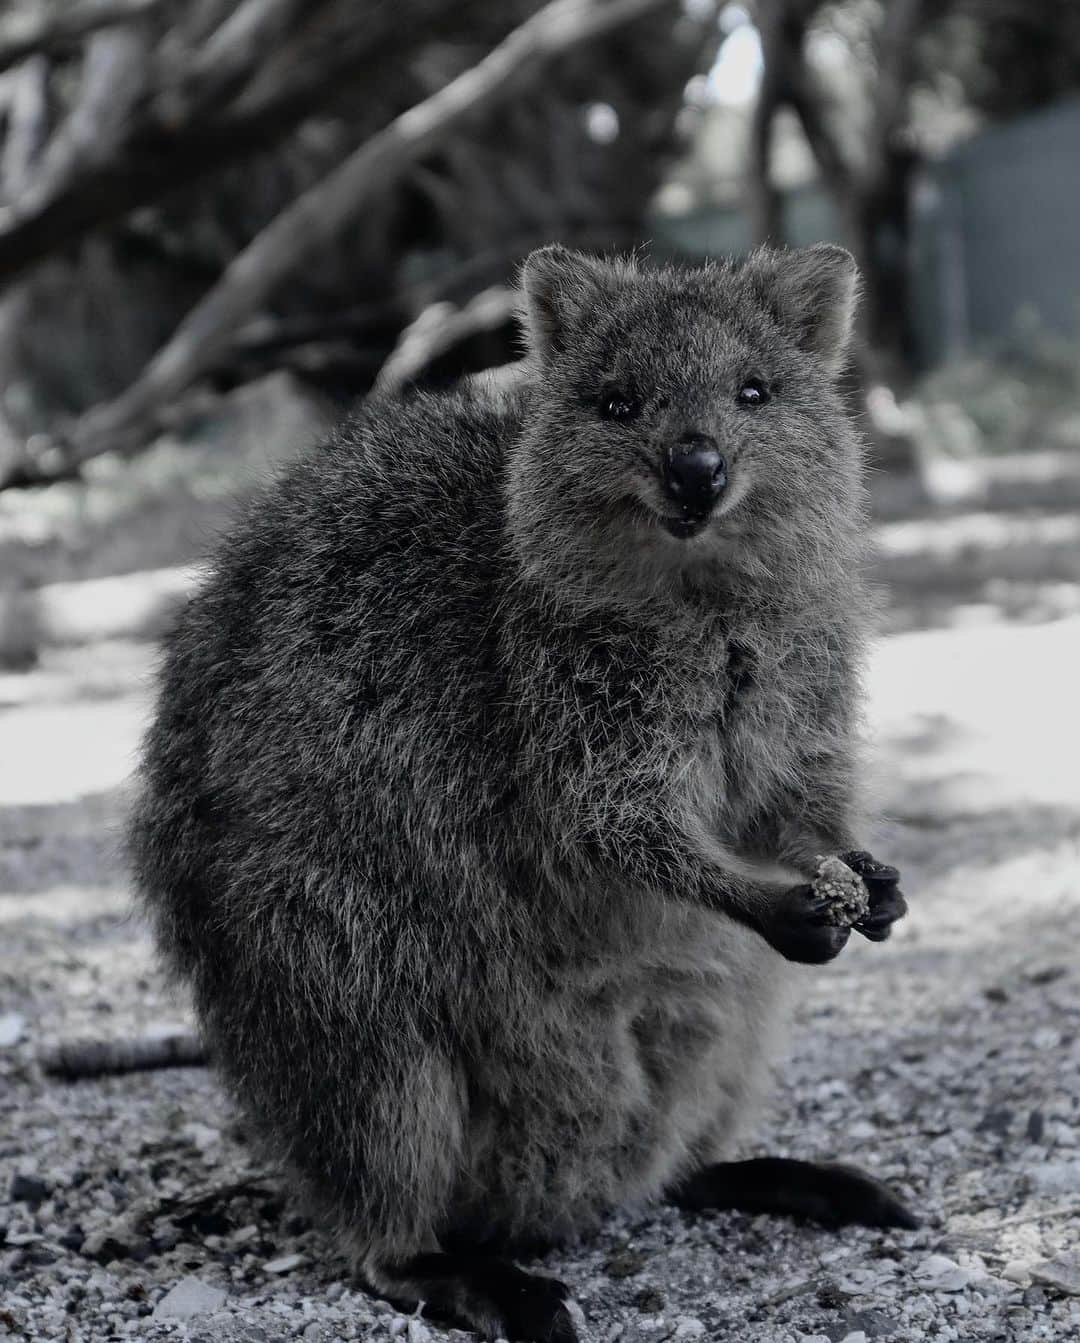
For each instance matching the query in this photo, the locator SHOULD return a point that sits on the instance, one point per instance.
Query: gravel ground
(946, 1061)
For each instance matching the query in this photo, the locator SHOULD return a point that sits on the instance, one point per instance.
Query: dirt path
(947, 1061)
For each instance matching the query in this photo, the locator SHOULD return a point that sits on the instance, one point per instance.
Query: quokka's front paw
(887, 903)
(799, 927)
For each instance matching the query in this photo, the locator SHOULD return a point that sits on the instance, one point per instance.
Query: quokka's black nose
(695, 474)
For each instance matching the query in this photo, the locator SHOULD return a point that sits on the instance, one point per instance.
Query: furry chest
(740, 761)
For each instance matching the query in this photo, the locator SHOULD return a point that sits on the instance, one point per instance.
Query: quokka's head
(683, 421)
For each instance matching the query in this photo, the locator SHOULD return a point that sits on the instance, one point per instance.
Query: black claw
(884, 912)
(489, 1294)
(887, 903)
(871, 871)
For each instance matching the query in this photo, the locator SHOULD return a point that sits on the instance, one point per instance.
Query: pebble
(115, 1241)
(285, 1264)
(1055, 1177)
(29, 1189)
(202, 1135)
(1062, 1274)
(1018, 1271)
(939, 1273)
(625, 1264)
(190, 1297)
(12, 1025)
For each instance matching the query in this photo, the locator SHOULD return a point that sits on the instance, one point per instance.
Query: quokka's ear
(814, 292)
(559, 288)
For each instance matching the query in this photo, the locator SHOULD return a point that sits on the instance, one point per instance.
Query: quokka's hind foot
(833, 1195)
(479, 1292)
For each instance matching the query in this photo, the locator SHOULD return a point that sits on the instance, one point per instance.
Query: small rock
(1061, 1274)
(285, 1264)
(625, 1264)
(167, 1236)
(1055, 1177)
(188, 1298)
(1018, 1271)
(200, 1135)
(115, 1241)
(864, 1281)
(1047, 975)
(650, 1301)
(11, 1029)
(417, 1332)
(29, 1189)
(997, 1121)
(687, 1327)
(829, 1296)
(871, 1323)
(1036, 1126)
(939, 1273)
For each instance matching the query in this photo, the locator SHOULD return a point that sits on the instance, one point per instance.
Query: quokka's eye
(753, 393)
(621, 406)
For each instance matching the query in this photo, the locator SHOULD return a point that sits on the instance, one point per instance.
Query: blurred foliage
(1021, 396)
(1009, 56)
(976, 59)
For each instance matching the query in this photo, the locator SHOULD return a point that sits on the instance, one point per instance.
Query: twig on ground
(1049, 1215)
(74, 1059)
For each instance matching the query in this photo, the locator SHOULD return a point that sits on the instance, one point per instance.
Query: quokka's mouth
(684, 528)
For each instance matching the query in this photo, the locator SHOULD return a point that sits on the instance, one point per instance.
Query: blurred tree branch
(46, 33)
(437, 329)
(316, 216)
(869, 190)
(24, 95)
(870, 196)
(199, 112)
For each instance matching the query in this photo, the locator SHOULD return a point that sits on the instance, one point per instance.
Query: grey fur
(472, 794)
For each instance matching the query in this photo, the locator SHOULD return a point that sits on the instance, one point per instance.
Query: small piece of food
(844, 890)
